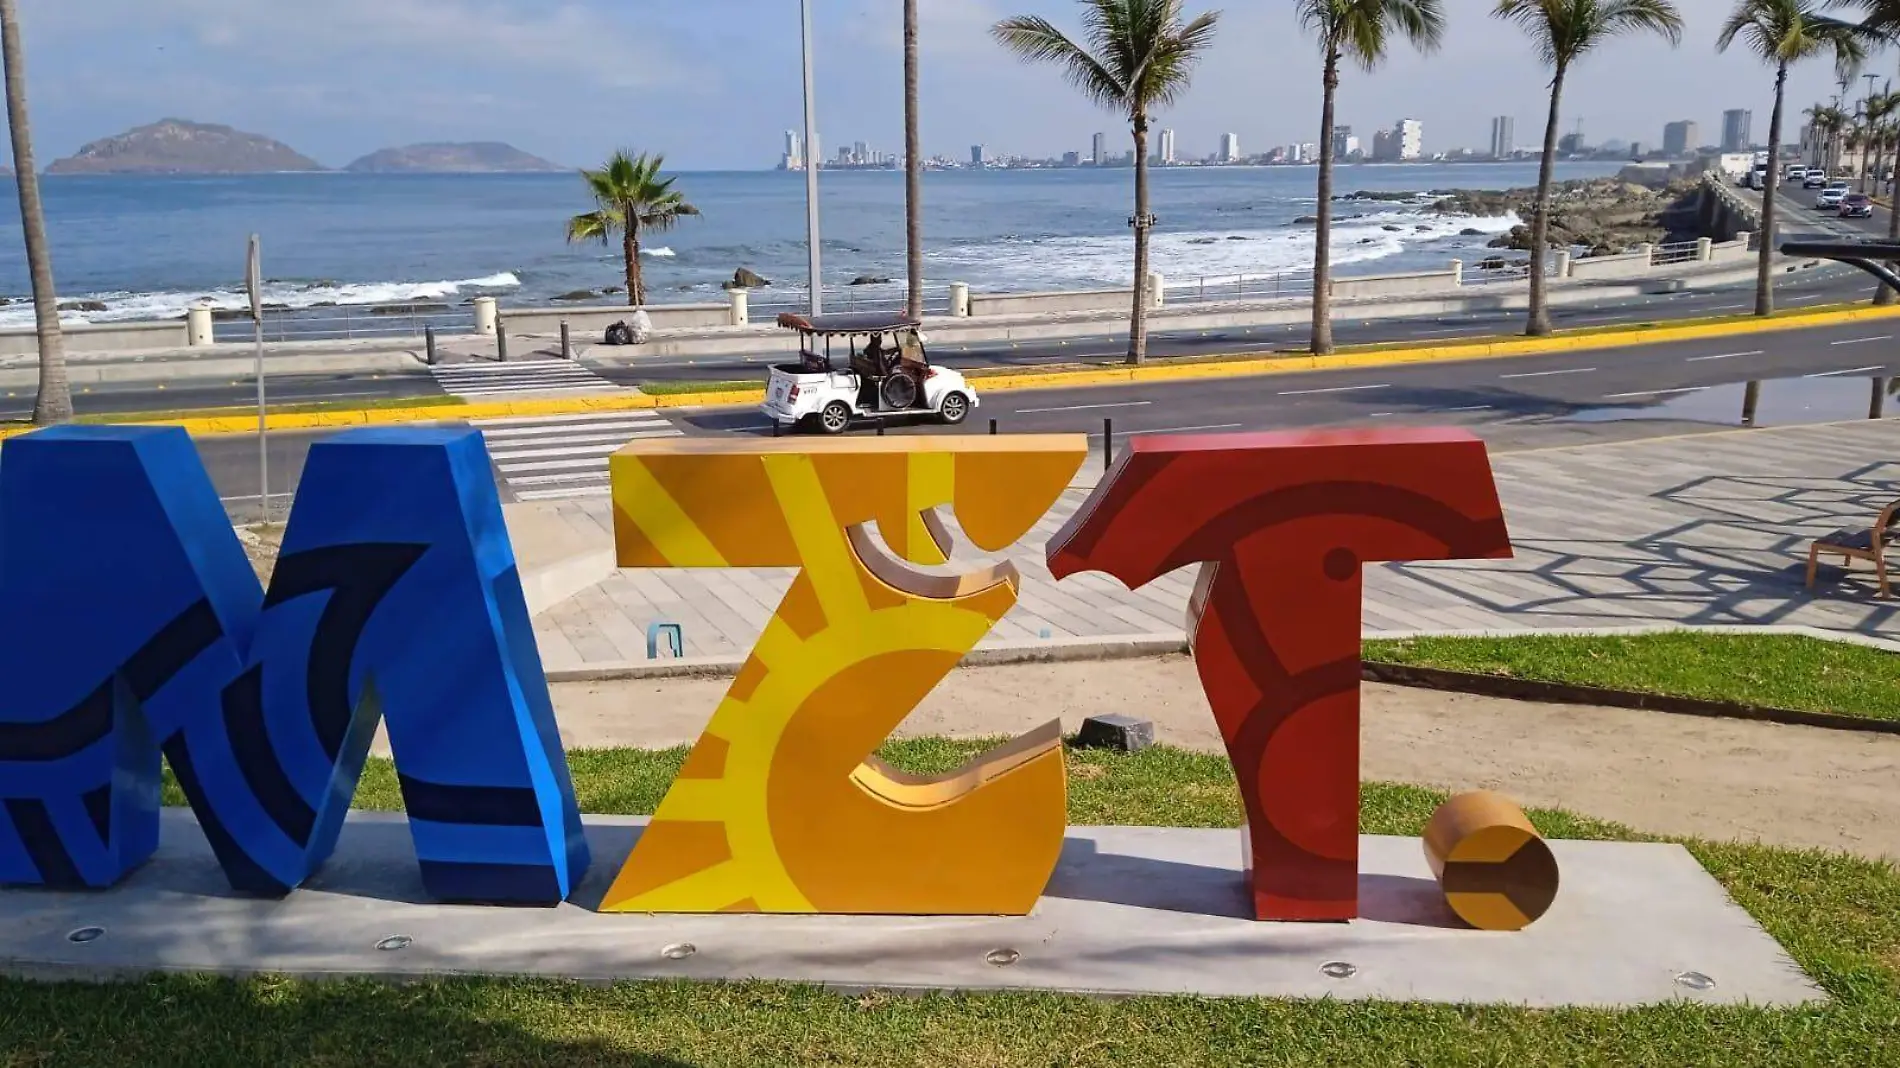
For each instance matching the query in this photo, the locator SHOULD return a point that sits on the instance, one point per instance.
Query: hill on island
(177, 146)
(478, 157)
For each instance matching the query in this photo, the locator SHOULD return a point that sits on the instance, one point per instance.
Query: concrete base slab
(1131, 910)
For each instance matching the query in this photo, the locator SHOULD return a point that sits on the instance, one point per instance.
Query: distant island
(176, 146)
(475, 157)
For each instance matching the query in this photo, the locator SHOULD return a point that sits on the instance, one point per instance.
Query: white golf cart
(888, 375)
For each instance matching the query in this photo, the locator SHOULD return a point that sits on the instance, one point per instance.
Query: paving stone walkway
(1710, 529)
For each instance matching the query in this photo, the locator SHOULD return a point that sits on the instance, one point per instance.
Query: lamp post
(811, 166)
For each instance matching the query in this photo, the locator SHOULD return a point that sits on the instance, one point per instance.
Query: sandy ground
(1720, 779)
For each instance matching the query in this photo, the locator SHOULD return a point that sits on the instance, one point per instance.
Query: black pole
(880, 426)
(428, 341)
(1751, 395)
(1108, 443)
(501, 341)
(992, 428)
(1877, 403)
(567, 343)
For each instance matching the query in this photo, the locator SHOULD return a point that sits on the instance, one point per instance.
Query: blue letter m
(134, 623)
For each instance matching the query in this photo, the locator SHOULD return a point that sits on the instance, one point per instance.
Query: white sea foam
(124, 306)
(662, 252)
(1210, 256)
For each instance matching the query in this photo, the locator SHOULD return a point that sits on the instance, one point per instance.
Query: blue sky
(715, 83)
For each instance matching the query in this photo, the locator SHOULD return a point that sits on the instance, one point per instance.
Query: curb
(1560, 693)
(1213, 368)
(714, 667)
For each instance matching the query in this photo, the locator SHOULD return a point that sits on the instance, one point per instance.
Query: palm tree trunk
(1885, 295)
(630, 249)
(54, 404)
(1138, 319)
(913, 171)
(1323, 229)
(1764, 272)
(1539, 321)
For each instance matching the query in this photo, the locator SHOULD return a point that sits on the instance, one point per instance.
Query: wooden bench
(1869, 544)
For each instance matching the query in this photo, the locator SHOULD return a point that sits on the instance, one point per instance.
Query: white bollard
(740, 301)
(1649, 253)
(1457, 272)
(1157, 289)
(1563, 263)
(485, 316)
(960, 300)
(1704, 250)
(198, 325)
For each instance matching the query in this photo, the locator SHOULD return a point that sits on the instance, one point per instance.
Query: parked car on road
(1814, 179)
(1796, 174)
(1857, 206)
(1831, 197)
(893, 378)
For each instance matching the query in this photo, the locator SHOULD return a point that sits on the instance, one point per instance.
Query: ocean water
(149, 247)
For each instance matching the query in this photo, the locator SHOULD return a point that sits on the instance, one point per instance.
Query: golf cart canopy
(876, 323)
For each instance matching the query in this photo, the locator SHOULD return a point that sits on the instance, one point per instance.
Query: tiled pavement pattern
(1709, 529)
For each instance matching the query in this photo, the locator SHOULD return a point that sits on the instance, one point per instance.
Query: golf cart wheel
(835, 418)
(899, 392)
(955, 409)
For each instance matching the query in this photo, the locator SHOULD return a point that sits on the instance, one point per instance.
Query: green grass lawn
(1770, 670)
(1838, 915)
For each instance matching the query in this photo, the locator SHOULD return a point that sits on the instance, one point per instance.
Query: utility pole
(811, 167)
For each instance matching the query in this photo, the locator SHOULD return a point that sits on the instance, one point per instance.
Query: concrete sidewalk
(1705, 530)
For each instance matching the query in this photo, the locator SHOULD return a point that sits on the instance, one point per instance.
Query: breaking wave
(121, 306)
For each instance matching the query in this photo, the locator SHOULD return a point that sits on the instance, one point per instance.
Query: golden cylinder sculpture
(1496, 871)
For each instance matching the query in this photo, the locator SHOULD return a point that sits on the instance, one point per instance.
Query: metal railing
(346, 322)
(1237, 287)
(763, 305)
(1679, 252)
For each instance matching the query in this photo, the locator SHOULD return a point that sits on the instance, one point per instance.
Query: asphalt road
(1812, 375)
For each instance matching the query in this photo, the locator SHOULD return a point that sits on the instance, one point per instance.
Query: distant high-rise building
(1570, 144)
(978, 156)
(1276, 154)
(1100, 156)
(1503, 137)
(1679, 138)
(1411, 135)
(1344, 143)
(1167, 146)
(1309, 152)
(1229, 148)
(1385, 146)
(1071, 159)
(794, 157)
(1737, 130)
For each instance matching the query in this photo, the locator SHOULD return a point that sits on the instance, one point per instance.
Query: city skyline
(711, 86)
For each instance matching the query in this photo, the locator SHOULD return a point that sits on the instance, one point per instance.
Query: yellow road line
(1095, 376)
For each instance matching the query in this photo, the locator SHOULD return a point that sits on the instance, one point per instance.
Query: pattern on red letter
(1280, 524)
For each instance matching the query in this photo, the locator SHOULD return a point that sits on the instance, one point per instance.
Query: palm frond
(1036, 40)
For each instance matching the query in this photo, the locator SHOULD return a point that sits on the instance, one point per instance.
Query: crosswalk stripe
(523, 378)
(550, 458)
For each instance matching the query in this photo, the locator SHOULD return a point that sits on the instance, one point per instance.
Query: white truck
(890, 375)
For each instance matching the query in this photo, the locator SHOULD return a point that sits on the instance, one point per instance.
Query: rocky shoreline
(1601, 216)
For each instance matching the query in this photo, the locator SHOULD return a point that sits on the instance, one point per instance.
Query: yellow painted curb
(1028, 380)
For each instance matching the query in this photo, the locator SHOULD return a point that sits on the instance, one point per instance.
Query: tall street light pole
(811, 166)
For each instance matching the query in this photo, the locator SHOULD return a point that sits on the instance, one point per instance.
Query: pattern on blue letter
(134, 623)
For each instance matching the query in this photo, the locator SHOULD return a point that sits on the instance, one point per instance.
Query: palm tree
(1561, 31)
(54, 404)
(913, 172)
(1880, 109)
(1782, 33)
(1356, 30)
(1827, 122)
(1136, 57)
(630, 199)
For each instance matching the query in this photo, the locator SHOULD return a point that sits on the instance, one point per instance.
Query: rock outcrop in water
(1604, 215)
(475, 157)
(176, 146)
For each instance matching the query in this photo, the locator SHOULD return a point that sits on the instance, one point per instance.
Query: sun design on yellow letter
(780, 806)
